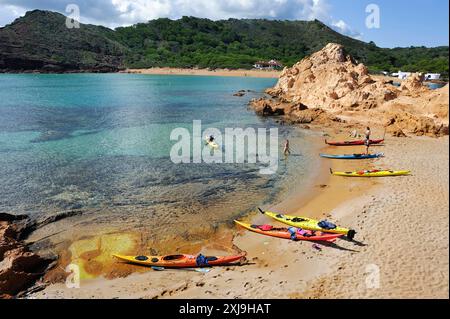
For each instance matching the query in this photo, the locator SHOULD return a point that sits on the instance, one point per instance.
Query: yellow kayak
(371, 173)
(214, 145)
(211, 144)
(308, 223)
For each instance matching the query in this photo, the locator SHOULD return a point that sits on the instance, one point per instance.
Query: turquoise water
(435, 86)
(100, 143)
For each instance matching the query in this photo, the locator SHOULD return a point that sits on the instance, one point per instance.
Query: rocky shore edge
(21, 268)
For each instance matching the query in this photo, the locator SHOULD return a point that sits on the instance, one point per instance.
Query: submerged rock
(50, 136)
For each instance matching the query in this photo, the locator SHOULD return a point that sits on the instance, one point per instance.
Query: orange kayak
(181, 260)
(284, 233)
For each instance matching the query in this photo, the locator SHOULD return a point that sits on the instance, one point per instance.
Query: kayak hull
(352, 143)
(308, 223)
(212, 144)
(352, 156)
(177, 261)
(284, 233)
(372, 173)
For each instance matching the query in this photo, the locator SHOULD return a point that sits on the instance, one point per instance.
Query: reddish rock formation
(330, 79)
(329, 86)
(413, 84)
(20, 268)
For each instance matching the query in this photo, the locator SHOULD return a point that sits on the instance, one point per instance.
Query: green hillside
(41, 41)
(194, 42)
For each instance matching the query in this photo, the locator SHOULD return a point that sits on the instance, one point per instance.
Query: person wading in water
(287, 150)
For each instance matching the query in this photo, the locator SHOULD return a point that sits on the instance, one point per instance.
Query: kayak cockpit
(173, 257)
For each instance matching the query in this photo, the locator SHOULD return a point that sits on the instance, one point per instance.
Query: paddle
(202, 270)
(157, 268)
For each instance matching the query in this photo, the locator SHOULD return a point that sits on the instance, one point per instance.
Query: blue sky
(402, 22)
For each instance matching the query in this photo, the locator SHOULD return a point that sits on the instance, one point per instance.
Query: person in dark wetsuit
(367, 139)
(287, 150)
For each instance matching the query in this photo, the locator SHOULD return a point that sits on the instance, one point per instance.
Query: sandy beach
(254, 73)
(400, 249)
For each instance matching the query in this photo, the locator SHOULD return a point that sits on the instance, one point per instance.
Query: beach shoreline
(207, 72)
(272, 260)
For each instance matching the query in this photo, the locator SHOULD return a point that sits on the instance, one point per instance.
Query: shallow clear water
(100, 143)
(435, 86)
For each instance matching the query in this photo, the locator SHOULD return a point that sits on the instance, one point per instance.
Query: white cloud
(113, 13)
(131, 11)
(10, 12)
(342, 27)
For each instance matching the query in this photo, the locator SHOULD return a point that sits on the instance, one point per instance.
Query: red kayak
(308, 235)
(357, 142)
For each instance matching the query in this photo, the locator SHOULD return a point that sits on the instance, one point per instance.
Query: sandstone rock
(266, 107)
(413, 82)
(395, 131)
(443, 130)
(19, 266)
(415, 124)
(330, 80)
(309, 116)
(389, 95)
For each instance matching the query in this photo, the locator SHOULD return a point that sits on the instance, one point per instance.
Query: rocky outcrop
(331, 81)
(395, 131)
(413, 84)
(20, 268)
(267, 107)
(295, 113)
(239, 93)
(398, 123)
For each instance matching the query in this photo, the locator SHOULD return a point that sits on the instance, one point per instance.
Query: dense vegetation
(195, 42)
(41, 41)
(190, 42)
(419, 59)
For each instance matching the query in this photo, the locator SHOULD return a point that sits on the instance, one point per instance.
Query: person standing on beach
(367, 140)
(287, 150)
